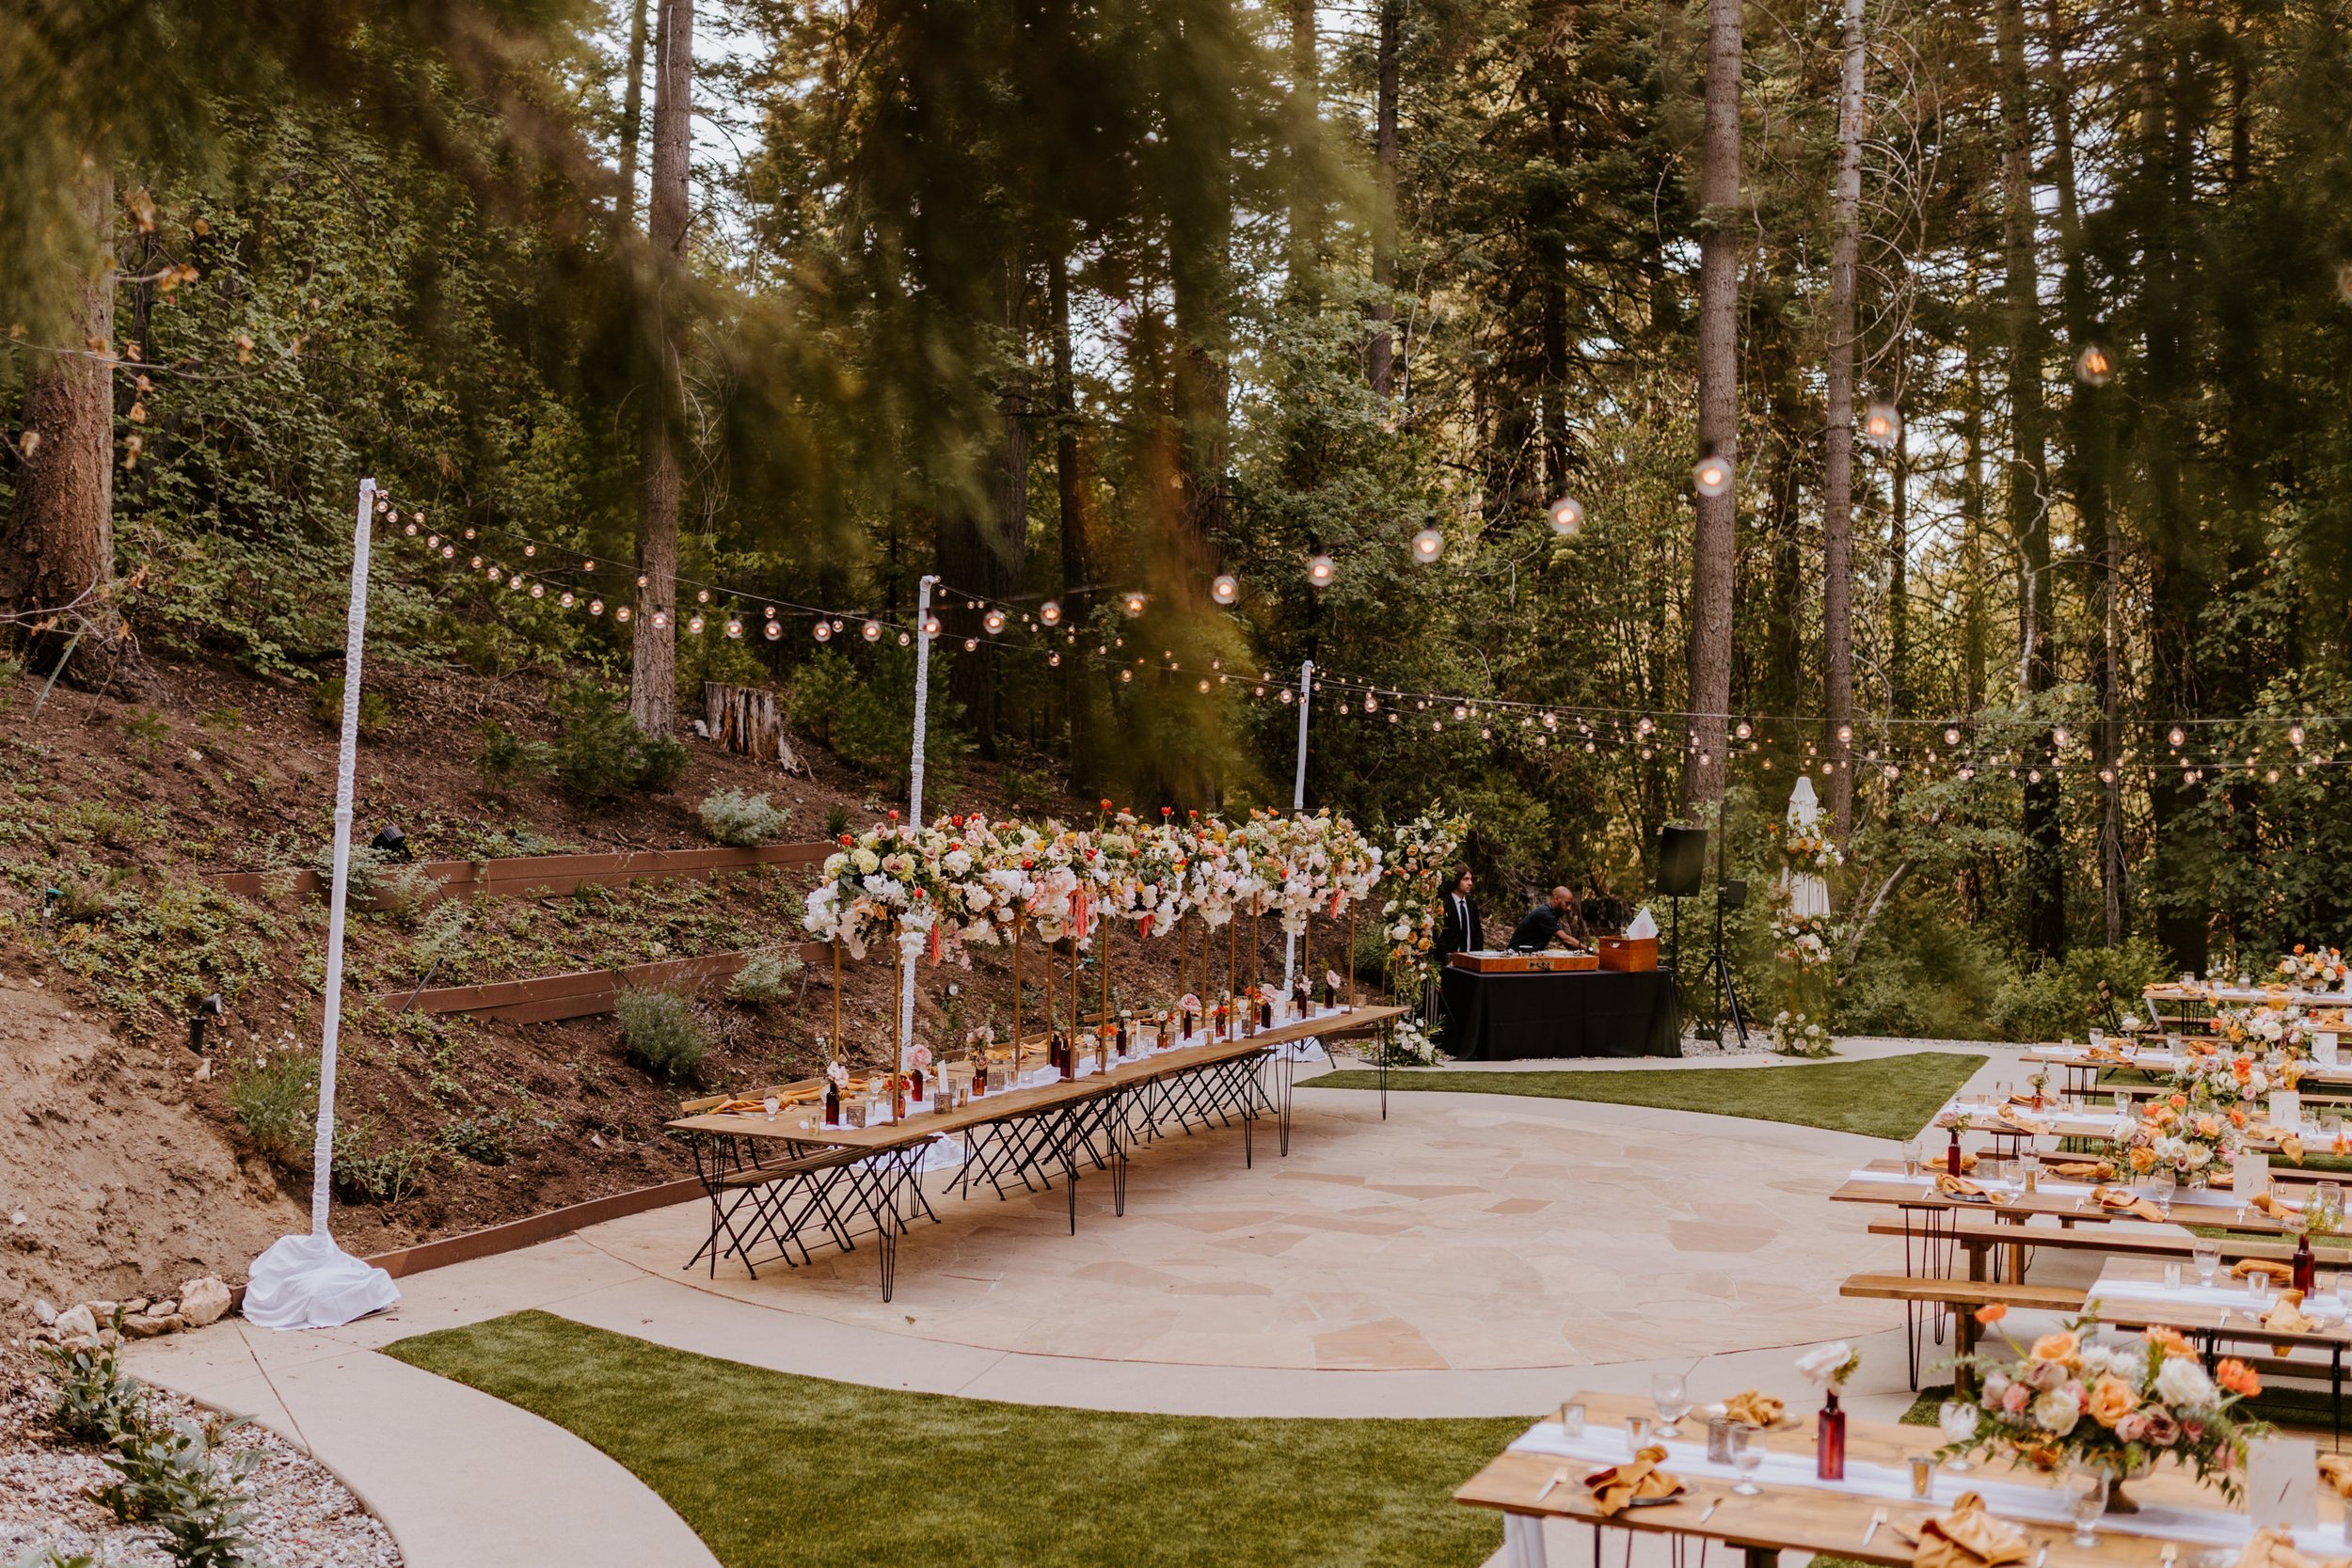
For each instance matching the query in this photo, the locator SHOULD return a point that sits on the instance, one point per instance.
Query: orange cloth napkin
(1957, 1186)
(2277, 1273)
(1968, 1537)
(2276, 1206)
(1639, 1480)
(2275, 1548)
(2335, 1469)
(1752, 1408)
(2124, 1201)
(2022, 1123)
(2087, 1170)
(2286, 1316)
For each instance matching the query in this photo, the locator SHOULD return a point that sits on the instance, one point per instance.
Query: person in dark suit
(1459, 929)
(1555, 920)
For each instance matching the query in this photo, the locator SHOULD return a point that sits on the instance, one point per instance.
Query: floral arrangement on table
(2264, 1028)
(1802, 940)
(1795, 1034)
(2223, 1080)
(2186, 1139)
(2117, 1407)
(886, 878)
(2312, 968)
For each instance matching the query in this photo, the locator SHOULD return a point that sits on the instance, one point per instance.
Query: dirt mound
(121, 1184)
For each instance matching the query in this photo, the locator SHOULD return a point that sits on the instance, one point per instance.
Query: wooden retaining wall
(549, 875)
(581, 993)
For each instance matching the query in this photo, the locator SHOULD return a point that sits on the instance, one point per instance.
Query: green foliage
(2062, 998)
(174, 1477)
(734, 816)
(865, 716)
(375, 712)
(486, 1140)
(145, 729)
(504, 756)
(366, 1173)
(660, 1034)
(152, 954)
(93, 1399)
(600, 753)
(837, 820)
(275, 1098)
(765, 976)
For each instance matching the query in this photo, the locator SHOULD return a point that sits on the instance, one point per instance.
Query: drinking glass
(1956, 1421)
(2086, 1499)
(2208, 1257)
(1572, 1419)
(2171, 1274)
(770, 1104)
(1911, 1157)
(1747, 1452)
(2098, 1038)
(1636, 1432)
(2161, 1187)
(1666, 1391)
(2122, 1103)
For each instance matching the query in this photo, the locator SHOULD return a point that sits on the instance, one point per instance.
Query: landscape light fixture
(390, 841)
(206, 1010)
(1566, 516)
(1712, 477)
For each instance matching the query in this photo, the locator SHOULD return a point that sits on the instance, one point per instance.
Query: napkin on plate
(2124, 1201)
(2087, 1170)
(2022, 1123)
(1968, 1537)
(1957, 1186)
(2278, 1273)
(2335, 1469)
(2275, 1548)
(1640, 1479)
(2286, 1316)
(1752, 1408)
(2276, 1206)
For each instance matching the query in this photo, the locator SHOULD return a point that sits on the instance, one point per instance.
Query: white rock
(136, 1305)
(145, 1327)
(43, 1313)
(102, 1310)
(163, 1310)
(204, 1301)
(77, 1322)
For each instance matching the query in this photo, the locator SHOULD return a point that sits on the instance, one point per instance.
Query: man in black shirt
(1459, 929)
(1555, 920)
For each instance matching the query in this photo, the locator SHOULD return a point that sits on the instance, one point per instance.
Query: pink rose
(2132, 1426)
(2015, 1400)
(2163, 1428)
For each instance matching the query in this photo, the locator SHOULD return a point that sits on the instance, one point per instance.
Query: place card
(2282, 1483)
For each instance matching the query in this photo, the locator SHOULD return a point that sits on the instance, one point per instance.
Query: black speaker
(1732, 894)
(1681, 861)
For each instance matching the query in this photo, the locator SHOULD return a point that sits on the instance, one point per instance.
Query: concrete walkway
(465, 1479)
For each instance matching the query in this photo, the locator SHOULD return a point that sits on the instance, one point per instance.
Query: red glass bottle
(1951, 1155)
(2305, 1266)
(914, 1083)
(1829, 1442)
(833, 1103)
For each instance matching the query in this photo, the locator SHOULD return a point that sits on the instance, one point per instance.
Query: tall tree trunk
(632, 112)
(1899, 582)
(1716, 543)
(1388, 70)
(1837, 476)
(58, 548)
(653, 649)
(1305, 226)
(1078, 695)
(2027, 488)
(1975, 633)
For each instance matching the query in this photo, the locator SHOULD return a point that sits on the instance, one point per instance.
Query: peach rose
(1990, 1313)
(2237, 1377)
(2111, 1400)
(2060, 1347)
(2172, 1341)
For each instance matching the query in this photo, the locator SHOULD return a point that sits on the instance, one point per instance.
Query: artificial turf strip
(774, 1470)
(1885, 1096)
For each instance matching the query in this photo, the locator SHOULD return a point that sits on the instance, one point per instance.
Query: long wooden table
(1806, 1516)
(1057, 1128)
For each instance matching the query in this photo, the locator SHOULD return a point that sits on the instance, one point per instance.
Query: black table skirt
(1496, 1018)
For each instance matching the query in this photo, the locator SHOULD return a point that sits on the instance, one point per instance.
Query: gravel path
(300, 1515)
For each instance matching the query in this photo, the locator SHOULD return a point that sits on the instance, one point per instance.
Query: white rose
(868, 861)
(2183, 1383)
(2056, 1412)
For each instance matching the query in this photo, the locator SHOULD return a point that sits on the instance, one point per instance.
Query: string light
(1566, 516)
(872, 631)
(930, 626)
(735, 628)
(994, 621)
(1050, 613)
(1712, 477)
(775, 629)
(595, 607)
(1133, 604)
(1224, 590)
(2093, 367)
(1427, 545)
(694, 626)
(1881, 425)
(1321, 570)
(823, 632)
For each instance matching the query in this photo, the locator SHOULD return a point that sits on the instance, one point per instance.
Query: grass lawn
(778, 1471)
(1886, 1097)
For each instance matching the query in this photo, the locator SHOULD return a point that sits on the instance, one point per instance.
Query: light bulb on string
(1126, 675)
(906, 639)
(496, 577)
(1050, 613)
(538, 590)
(735, 628)
(2061, 737)
(1428, 545)
(1460, 713)
(1053, 659)
(1845, 735)
(1321, 569)
(1205, 686)
(448, 552)
(871, 631)
(475, 564)
(469, 533)
(971, 644)
(1951, 735)
(1745, 730)
(1881, 425)
(837, 624)
(1712, 477)
(1224, 590)
(2094, 366)
(2295, 736)
(775, 629)
(1372, 702)
(642, 582)
(622, 613)
(694, 626)
(531, 550)
(994, 621)
(702, 596)
(930, 626)
(660, 619)
(823, 632)
(1566, 515)
(589, 566)
(1133, 604)
(410, 530)
(2175, 735)
(595, 607)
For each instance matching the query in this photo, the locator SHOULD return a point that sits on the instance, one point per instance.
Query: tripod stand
(1728, 895)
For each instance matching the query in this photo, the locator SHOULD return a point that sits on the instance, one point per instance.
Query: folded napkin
(1754, 1409)
(2335, 1469)
(2032, 1102)
(2276, 1206)
(2275, 1548)
(1957, 1186)
(1968, 1537)
(2220, 1176)
(2087, 1170)
(1639, 1480)
(2022, 1123)
(2287, 1318)
(2277, 1273)
(2124, 1201)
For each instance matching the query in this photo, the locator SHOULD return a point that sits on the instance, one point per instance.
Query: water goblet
(2086, 1500)
(2207, 1254)
(2161, 1187)
(1673, 1400)
(1956, 1421)
(1747, 1453)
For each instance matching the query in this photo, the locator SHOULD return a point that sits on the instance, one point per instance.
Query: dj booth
(1505, 1006)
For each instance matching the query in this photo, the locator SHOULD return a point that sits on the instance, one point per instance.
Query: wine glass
(1747, 1452)
(1956, 1421)
(2161, 1187)
(1666, 1391)
(2208, 1256)
(2086, 1500)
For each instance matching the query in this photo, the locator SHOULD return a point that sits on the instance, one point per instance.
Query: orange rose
(2237, 1116)
(2143, 1160)
(2238, 1378)
(2057, 1347)
(2111, 1400)
(1990, 1313)
(2241, 1068)
(2172, 1341)
(2180, 1103)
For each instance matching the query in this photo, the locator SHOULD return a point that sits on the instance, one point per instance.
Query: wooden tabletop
(1812, 1519)
(1011, 1103)
(1922, 1190)
(2238, 1314)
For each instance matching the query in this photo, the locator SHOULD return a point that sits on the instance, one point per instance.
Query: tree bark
(1715, 542)
(1069, 487)
(653, 648)
(1838, 475)
(1388, 69)
(632, 113)
(2027, 488)
(58, 548)
(1306, 199)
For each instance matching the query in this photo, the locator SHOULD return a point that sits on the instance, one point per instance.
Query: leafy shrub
(401, 886)
(659, 1032)
(276, 1100)
(94, 1399)
(146, 729)
(506, 755)
(600, 752)
(837, 820)
(326, 707)
(442, 935)
(764, 976)
(110, 825)
(2062, 998)
(867, 719)
(486, 1140)
(224, 718)
(175, 1478)
(734, 816)
(365, 1173)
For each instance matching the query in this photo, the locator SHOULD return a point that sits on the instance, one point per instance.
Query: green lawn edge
(777, 1470)
(1884, 1097)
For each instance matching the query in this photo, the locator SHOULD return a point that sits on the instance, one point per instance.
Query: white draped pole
(1298, 803)
(307, 1281)
(914, 789)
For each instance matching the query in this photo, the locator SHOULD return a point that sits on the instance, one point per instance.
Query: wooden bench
(1961, 1297)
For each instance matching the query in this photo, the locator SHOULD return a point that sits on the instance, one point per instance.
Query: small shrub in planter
(276, 1100)
(659, 1032)
(744, 820)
